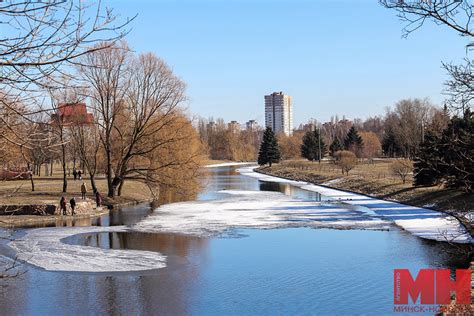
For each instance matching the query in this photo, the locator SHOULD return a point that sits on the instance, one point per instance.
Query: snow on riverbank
(253, 209)
(419, 221)
(44, 248)
(228, 164)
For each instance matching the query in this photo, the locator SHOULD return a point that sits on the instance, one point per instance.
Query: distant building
(72, 114)
(234, 126)
(211, 126)
(251, 125)
(279, 113)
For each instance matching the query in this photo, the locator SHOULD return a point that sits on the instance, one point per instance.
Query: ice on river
(254, 209)
(419, 221)
(44, 248)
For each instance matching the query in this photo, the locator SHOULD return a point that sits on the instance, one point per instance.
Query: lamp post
(319, 144)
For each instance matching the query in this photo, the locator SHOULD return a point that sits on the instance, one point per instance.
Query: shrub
(346, 160)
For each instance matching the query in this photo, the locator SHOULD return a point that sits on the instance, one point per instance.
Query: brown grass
(48, 191)
(375, 179)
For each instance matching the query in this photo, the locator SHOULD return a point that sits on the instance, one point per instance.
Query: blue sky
(333, 57)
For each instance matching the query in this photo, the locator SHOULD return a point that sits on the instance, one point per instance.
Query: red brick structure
(72, 114)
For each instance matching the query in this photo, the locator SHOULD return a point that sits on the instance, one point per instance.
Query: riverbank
(376, 181)
(18, 195)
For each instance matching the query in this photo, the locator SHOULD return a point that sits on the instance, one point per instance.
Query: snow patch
(228, 164)
(254, 209)
(44, 248)
(422, 222)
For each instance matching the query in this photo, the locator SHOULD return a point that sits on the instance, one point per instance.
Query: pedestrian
(98, 199)
(73, 206)
(74, 173)
(62, 206)
(79, 174)
(83, 190)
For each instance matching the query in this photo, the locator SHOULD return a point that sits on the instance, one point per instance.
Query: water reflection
(169, 244)
(280, 271)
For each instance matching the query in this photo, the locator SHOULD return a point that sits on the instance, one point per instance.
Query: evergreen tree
(449, 157)
(312, 143)
(353, 141)
(390, 146)
(335, 146)
(457, 152)
(269, 151)
(427, 167)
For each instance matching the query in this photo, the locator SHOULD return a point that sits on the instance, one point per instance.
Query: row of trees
(398, 134)
(56, 54)
(227, 142)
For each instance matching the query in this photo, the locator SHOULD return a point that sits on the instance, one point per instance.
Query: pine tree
(427, 166)
(390, 146)
(309, 147)
(449, 157)
(269, 151)
(457, 152)
(312, 143)
(353, 141)
(319, 145)
(335, 146)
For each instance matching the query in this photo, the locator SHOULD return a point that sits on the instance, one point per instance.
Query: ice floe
(419, 221)
(254, 209)
(44, 248)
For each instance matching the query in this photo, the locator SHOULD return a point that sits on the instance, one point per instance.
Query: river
(292, 269)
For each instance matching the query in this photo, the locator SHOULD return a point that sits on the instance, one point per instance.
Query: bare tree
(456, 15)
(402, 168)
(39, 37)
(87, 142)
(151, 100)
(106, 72)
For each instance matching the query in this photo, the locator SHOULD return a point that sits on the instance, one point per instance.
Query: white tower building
(279, 113)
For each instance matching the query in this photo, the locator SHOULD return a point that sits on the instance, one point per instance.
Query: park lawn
(48, 190)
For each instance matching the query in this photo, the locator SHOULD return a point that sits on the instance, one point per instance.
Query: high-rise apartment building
(279, 113)
(251, 125)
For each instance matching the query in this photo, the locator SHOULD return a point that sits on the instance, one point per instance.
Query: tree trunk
(110, 186)
(51, 169)
(64, 168)
(32, 182)
(119, 191)
(93, 185)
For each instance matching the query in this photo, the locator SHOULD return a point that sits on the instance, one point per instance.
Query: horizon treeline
(398, 133)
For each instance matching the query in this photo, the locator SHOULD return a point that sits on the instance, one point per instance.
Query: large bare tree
(105, 72)
(39, 42)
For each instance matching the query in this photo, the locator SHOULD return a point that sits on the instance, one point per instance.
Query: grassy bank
(377, 180)
(48, 191)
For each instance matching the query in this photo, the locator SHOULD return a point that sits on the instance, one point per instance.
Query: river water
(250, 272)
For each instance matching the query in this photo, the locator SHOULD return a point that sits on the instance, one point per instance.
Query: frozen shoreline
(228, 164)
(44, 248)
(419, 221)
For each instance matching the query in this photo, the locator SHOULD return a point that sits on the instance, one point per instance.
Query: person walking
(83, 190)
(74, 173)
(79, 174)
(73, 206)
(98, 199)
(62, 206)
